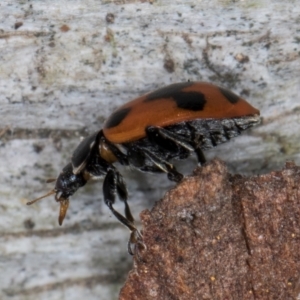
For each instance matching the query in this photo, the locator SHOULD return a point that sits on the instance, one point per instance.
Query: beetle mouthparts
(64, 205)
(42, 197)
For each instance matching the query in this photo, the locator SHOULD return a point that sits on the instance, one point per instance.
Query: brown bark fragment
(222, 236)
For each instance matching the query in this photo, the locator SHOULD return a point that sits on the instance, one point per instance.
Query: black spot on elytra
(117, 117)
(186, 100)
(190, 100)
(167, 91)
(230, 96)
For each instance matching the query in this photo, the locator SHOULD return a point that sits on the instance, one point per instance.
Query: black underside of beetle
(180, 140)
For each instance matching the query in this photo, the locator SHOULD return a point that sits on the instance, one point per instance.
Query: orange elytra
(174, 104)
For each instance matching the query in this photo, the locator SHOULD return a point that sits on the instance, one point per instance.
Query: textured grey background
(64, 68)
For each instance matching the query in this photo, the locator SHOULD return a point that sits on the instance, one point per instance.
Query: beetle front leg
(114, 184)
(123, 195)
(111, 187)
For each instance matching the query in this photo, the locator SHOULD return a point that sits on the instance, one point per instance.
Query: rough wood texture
(66, 65)
(222, 236)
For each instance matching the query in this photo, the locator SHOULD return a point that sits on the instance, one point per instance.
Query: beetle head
(67, 183)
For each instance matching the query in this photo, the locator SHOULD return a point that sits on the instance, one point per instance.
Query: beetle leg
(200, 155)
(123, 195)
(158, 163)
(135, 242)
(114, 184)
(111, 186)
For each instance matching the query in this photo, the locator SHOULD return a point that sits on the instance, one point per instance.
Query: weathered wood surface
(64, 66)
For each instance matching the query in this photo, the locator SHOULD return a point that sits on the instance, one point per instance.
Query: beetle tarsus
(136, 243)
(175, 176)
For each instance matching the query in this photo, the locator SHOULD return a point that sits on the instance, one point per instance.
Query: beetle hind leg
(149, 161)
(164, 166)
(199, 153)
(200, 156)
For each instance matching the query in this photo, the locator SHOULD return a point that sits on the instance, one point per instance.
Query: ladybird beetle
(147, 133)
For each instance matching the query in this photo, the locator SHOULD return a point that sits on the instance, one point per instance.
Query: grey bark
(65, 66)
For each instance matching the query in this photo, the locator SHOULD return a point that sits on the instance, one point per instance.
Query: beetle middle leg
(151, 161)
(114, 184)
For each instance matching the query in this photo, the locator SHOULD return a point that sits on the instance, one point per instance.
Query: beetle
(148, 133)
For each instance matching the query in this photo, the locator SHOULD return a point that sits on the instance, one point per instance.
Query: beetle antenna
(40, 198)
(50, 180)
